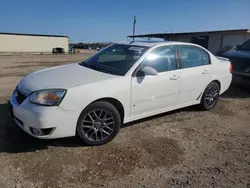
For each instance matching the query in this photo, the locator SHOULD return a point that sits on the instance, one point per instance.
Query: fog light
(37, 132)
(40, 132)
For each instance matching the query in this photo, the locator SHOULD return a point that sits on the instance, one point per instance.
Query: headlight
(48, 97)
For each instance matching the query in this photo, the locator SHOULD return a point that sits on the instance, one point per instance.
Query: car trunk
(240, 64)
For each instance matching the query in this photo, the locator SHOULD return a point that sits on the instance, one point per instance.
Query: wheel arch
(216, 81)
(116, 103)
(204, 106)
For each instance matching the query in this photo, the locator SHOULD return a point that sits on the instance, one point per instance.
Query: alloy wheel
(211, 96)
(97, 125)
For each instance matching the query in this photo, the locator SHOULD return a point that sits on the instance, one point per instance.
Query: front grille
(20, 97)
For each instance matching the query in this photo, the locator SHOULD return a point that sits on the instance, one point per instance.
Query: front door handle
(205, 72)
(174, 77)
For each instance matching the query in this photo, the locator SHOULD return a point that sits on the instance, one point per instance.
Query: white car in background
(117, 85)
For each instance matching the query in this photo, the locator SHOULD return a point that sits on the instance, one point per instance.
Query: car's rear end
(224, 69)
(241, 72)
(240, 59)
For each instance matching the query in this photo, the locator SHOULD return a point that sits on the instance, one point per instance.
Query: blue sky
(111, 20)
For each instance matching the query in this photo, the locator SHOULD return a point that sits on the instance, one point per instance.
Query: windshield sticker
(138, 49)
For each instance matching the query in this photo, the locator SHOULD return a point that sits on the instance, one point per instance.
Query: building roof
(152, 43)
(40, 35)
(146, 43)
(162, 35)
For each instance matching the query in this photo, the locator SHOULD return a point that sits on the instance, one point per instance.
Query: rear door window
(190, 56)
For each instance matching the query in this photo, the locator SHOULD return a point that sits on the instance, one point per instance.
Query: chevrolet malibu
(117, 85)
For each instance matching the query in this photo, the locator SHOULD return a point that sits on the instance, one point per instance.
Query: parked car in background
(71, 49)
(58, 51)
(240, 59)
(117, 85)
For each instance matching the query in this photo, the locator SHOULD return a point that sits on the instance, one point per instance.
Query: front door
(195, 72)
(154, 93)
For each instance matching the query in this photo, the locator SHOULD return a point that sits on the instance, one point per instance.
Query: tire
(98, 123)
(210, 96)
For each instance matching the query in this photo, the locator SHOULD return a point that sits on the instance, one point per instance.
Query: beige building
(32, 43)
(214, 41)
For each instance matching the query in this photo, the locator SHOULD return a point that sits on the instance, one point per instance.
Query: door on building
(200, 40)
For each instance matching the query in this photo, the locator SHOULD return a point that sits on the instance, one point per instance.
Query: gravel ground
(184, 148)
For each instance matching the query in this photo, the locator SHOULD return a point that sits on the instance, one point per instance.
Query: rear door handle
(174, 77)
(205, 72)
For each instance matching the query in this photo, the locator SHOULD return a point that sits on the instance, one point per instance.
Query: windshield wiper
(117, 71)
(101, 68)
(95, 67)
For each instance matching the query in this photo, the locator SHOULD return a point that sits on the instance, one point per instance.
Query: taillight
(231, 67)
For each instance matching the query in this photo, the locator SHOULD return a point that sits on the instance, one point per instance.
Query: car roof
(154, 43)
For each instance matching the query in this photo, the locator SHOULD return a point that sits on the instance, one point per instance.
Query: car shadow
(15, 140)
(186, 109)
(236, 91)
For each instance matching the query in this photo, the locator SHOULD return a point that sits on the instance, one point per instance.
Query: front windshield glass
(246, 46)
(116, 59)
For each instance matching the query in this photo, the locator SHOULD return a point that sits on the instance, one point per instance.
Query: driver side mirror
(147, 71)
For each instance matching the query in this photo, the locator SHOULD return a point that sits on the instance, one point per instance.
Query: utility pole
(134, 25)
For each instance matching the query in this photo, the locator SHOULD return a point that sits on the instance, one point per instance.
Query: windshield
(116, 59)
(246, 45)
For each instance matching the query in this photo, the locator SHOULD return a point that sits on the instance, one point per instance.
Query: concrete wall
(247, 36)
(233, 39)
(214, 43)
(29, 44)
(179, 38)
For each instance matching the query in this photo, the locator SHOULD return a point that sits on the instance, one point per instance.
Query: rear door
(195, 72)
(152, 93)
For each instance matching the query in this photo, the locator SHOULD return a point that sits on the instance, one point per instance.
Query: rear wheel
(99, 123)
(210, 96)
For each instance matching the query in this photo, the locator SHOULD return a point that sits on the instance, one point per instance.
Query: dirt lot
(184, 148)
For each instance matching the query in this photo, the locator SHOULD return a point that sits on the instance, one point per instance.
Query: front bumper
(28, 116)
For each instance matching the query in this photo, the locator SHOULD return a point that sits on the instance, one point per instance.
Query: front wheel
(98, 124)
(210, 96)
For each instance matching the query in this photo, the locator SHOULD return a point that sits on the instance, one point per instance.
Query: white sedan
(117, 85)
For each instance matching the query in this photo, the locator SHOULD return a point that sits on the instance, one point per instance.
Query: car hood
(237, 54)
(64, 77)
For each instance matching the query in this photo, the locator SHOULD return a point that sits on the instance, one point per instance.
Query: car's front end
(48, 103)
(39, 114)
(42, 102)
